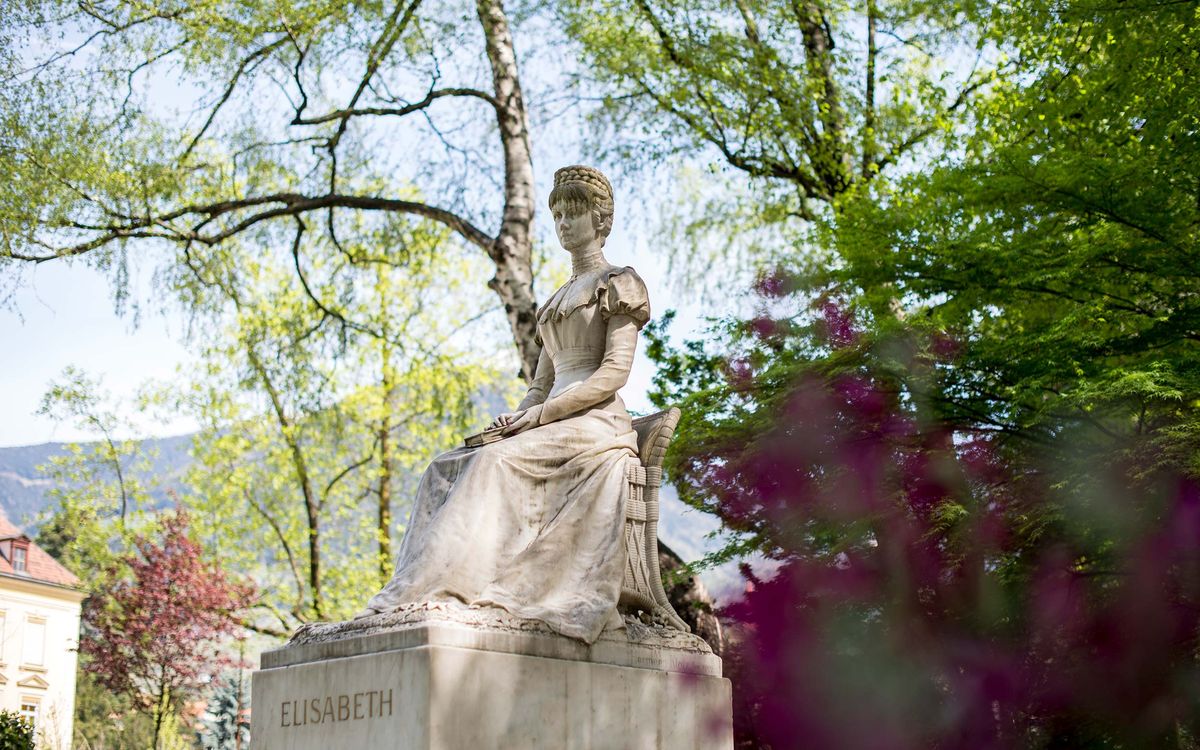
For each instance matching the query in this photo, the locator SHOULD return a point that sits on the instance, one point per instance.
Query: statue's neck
(588, 259)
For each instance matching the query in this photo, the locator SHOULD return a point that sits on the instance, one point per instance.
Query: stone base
(417, 681)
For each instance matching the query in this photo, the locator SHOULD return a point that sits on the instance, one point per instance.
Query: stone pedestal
(417, 681)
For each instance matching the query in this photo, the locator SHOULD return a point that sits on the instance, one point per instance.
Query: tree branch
(287, 548)
(113, 28)
(248, 63)
(262, 629)
(289, 204)
(347, 471)
(760, 166)
(379, 51)
(303, 477)
(960, 99)
(324, 309)
(434, 94)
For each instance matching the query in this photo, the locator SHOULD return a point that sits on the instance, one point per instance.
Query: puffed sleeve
(625, 294)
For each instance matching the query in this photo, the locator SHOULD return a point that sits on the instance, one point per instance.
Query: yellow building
(39, 637)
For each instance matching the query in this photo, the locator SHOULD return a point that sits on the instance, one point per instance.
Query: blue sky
(64, 316)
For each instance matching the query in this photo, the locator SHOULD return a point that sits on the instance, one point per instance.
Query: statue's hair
(585, 188)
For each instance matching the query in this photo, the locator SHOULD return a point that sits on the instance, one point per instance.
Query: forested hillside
(23, 487)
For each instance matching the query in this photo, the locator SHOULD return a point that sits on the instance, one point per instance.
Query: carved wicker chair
(642, 588)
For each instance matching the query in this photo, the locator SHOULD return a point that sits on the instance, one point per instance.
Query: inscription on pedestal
(368, 704)
(397, 691)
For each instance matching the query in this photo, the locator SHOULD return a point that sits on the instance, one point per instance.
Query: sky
(63, 316)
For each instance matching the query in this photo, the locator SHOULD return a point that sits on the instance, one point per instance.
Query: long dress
(533, 524)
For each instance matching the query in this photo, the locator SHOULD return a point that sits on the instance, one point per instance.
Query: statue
(533, 523)
(503, 609)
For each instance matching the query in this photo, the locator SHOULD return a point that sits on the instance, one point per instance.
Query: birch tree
(156, 133)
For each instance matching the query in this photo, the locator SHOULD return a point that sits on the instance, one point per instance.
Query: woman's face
(573, 225)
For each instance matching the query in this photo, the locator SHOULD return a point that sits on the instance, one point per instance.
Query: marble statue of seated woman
(533, 523)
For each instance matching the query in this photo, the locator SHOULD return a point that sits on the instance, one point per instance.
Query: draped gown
(533, 524)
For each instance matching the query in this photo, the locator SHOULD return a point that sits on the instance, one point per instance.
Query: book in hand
(490, 435)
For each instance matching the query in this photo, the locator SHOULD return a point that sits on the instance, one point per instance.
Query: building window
(29, 711)
(19, 554)
(33, 645)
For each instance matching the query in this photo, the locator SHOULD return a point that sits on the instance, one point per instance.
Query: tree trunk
(384, 528)
(512, 250)
(312, 509)
(240, 701)
(384, 525)
(835, 162)
(162, 706)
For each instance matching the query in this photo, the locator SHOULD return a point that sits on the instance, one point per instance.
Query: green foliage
(681, 372)
(15, 732)
(808, 99)
(85, 529)
(97, 501)
(1041, 285)
(105, 720)
(780, 87)
(1027, 305)
(1063, 251)
(228, 727)
(1019, 325)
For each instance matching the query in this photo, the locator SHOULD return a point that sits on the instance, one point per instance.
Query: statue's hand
(525, 420)
(506, 419)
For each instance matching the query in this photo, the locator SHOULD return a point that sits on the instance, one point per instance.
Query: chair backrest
(654, 433)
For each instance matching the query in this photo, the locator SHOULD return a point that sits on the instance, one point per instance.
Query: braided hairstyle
(578, 188)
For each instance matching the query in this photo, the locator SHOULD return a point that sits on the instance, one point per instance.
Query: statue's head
(579, 189)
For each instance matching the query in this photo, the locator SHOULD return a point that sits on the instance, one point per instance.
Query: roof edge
(48, 584)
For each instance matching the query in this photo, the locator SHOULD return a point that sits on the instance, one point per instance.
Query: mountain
(24, 489)
(24, 497)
